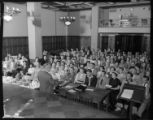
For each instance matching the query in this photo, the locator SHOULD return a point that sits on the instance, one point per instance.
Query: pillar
(94, 31)
(34, 29)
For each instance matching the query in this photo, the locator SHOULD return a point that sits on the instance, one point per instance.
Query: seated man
(103, 81)
(45, 79)
(91, 80)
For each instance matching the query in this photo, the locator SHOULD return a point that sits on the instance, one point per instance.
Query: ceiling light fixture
(67, 19)
(8, 14)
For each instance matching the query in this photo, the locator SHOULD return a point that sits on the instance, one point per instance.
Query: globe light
(8, 18)
(67, 23)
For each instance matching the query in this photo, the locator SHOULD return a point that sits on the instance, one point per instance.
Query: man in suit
(45, 79)
(91, 80)
(93, 69)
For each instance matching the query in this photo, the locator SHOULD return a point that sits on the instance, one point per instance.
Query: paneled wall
(125, 42)
(15, 45)
(53, 42)
(73, 42)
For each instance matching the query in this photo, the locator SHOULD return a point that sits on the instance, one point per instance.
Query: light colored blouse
(80, 78)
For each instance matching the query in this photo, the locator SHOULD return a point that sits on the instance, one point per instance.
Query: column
(34, 29)
(147, 40)
(94, 31)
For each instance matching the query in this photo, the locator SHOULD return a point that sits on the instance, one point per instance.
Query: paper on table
(127, 94)
(90, 89)
(109, 86)
(68, 86)
(71, 91)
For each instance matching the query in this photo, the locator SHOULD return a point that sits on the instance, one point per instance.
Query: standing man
(45, 79)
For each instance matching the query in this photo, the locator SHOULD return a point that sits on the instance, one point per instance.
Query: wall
(48, 22)
(51, 25)
(60, 28)
(18, 26)
(82, 25)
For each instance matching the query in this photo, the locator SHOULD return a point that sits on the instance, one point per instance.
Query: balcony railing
(143, 22)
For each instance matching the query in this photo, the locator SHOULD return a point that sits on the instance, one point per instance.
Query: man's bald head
(47, 67)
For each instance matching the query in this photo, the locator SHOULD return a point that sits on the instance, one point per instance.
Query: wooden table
(96, 95)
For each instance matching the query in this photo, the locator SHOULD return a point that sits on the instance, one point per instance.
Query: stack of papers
(68, 86)
(127, 93)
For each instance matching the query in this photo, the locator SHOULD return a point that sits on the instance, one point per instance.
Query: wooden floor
(33, 104)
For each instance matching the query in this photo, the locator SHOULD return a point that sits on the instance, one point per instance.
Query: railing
(130, 23)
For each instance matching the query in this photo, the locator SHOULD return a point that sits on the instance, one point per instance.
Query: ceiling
(68, 6)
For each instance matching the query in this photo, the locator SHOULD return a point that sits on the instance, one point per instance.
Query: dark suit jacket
(93, 81)
(46, 82)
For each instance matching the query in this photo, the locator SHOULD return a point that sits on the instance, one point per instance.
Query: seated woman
(115, 83)
(5, 65)
(11, 71)
(53, 70)
(121, 76)
(102, 81)
(99, 73)
(69, 78)
(24, 68)
(61, 73)
(91, 80)
(28, 75)
(80, 77)
(36, 62)
(18, 75)
(136, 76)
(34, 81)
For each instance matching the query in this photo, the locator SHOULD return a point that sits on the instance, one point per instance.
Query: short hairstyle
(82, 68)
(130, 74)
(89, 70)
(121, 68)
(146, 77)
(104, 72)
(93, 63)
(115, 73)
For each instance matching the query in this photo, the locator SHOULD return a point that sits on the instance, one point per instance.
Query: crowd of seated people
(106, 70)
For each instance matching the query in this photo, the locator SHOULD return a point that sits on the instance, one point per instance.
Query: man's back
(46, 82)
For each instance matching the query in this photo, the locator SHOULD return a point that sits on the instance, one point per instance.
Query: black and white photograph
(76, 59)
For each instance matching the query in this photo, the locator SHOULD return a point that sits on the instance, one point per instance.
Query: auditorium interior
(85, 59)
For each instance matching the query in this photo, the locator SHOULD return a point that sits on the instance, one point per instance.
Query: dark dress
(113, 94)
(92, 80)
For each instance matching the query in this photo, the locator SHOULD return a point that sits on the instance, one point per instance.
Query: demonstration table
(90, 95)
